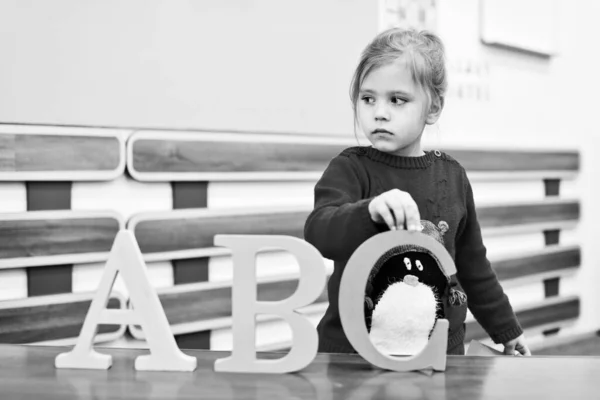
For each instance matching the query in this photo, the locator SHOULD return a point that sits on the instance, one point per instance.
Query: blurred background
(522, 78)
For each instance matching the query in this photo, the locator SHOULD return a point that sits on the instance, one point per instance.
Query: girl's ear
(435, 110)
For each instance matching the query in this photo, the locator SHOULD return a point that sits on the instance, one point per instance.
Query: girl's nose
(381, 112)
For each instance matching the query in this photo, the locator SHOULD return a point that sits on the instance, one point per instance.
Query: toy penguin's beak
(411, 280)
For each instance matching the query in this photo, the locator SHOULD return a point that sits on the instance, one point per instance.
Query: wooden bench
(194, 162)
(47, 237)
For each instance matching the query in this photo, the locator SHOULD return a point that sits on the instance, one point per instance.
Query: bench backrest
(225, 183)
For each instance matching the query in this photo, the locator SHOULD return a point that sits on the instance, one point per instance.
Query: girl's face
(393, 110)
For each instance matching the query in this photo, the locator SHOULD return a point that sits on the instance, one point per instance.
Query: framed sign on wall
(418, 14)
(523, 25)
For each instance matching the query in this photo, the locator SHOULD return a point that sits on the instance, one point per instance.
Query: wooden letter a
(126, 258)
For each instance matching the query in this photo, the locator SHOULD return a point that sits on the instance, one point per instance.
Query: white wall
(279, 65)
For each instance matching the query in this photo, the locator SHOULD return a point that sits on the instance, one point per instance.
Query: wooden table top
(27, 372)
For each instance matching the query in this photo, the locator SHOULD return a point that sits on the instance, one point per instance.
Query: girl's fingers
(386, 215)
(523, 350)
(396, 206)
(406, 211)
(411, 212)
(509, 349)
(397, 209)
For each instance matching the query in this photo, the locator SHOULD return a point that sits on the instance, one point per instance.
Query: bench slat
(193, 231)
(51, 318)
(182, 307)
(189, 232)
(532, 213)
(547, 312)
(194, 303)
(206, 156)
(60, 157)
(175, 156)
(56, 237)
(505, 160)
(540, 262)
(568, 309)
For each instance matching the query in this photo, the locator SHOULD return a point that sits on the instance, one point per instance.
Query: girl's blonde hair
(426, 58)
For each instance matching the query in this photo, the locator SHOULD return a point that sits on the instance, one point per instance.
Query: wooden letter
(126, 258)
(245, 307)
(351, 298)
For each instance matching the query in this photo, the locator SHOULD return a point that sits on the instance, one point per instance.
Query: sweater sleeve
(340, 221)
(485, 297)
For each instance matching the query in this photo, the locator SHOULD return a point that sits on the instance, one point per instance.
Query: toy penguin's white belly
(403, 318)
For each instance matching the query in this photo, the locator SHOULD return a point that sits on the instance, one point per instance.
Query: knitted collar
(419, 162)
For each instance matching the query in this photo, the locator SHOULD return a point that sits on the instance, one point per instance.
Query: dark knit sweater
(340, 223)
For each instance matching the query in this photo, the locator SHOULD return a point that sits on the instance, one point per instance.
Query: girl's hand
(517, 346)
(396, 209)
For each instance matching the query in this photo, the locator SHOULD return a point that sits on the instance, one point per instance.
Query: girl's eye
(368, 99)
(398, 101)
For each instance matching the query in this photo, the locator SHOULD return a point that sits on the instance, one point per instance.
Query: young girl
(398, 88)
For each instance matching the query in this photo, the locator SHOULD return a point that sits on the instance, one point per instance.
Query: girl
(398, 88)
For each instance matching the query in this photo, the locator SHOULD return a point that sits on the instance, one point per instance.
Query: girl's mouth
(382, 132)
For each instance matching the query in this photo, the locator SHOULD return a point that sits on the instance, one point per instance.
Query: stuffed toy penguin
(404, 294)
